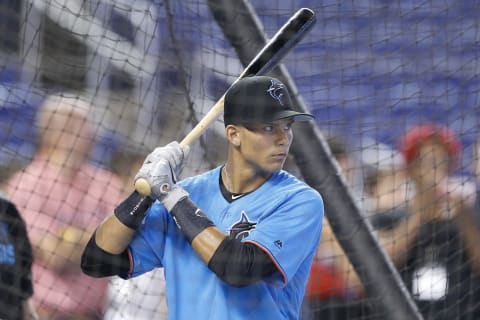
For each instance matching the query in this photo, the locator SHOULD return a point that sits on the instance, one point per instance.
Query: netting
(147, 71)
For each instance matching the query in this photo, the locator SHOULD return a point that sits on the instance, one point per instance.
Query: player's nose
(282, 135)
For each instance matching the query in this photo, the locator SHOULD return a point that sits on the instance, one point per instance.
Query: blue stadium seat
(17, 132)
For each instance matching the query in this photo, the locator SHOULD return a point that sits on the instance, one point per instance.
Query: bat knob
(143, 187)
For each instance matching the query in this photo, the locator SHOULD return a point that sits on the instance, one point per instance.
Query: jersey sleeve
(148, 245)
(290, 235)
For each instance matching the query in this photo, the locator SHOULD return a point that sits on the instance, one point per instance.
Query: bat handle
(142, 186)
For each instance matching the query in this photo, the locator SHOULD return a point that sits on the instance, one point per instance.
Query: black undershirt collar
(230, 197)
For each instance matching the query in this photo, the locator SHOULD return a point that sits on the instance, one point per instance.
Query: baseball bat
(286, 38)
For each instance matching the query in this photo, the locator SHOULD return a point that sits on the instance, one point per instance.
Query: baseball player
(235, 242)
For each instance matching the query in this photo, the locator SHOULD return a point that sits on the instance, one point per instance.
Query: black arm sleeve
(98, 263)
(189, 218)
(241, 264)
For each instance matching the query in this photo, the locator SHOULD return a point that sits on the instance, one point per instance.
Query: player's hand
(162, 167)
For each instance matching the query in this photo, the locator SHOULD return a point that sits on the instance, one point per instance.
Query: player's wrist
(172, 197)
(189, 218)
(132, 210)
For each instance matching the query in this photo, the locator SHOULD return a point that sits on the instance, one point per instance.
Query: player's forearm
(197, 228)
(115, 233)
(113, 236)
(207, 242)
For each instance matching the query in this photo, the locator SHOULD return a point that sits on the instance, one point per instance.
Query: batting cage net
(89, 87)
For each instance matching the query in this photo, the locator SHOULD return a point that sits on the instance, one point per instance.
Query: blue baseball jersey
(283, 217)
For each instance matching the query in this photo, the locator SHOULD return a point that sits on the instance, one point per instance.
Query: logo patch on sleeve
(278, 243)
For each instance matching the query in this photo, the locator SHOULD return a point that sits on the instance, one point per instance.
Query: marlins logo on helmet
(276, 91)
(241, 229)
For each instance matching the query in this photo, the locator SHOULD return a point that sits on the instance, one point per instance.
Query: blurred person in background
(142, 297)
(16, 258)
(435, 245)
(475, 169)
(476, 175)
(351, 167)
(385, 184)
(333, 286)
(62, 198)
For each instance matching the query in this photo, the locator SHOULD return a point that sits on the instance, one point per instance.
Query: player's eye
(260, 128)
(268, 128)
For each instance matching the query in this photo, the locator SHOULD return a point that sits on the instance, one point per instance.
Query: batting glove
(162, 167)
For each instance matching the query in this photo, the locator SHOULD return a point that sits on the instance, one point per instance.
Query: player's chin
(276, 165)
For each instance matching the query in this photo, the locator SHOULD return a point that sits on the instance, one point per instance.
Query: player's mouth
(279, 156)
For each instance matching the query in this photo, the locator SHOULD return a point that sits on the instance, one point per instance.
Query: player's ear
(233, 134)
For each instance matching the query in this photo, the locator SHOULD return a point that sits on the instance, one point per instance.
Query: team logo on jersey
(241, 229)
(276, 91)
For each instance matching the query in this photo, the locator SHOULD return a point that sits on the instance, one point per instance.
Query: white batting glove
(162, 167)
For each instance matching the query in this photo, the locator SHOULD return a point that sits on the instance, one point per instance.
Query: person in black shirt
(434, 245)
(16, 286)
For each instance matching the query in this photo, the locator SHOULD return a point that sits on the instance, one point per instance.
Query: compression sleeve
(98, 263)
(189, 218)
(241, 264)
(132, 210)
